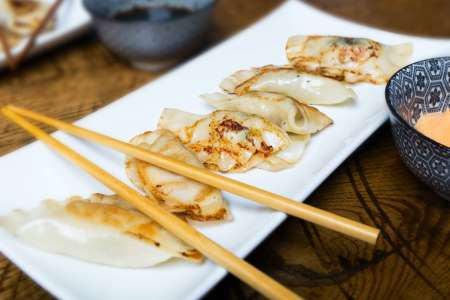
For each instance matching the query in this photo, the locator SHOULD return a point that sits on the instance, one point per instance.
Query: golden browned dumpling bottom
(178, 194)
(101, 229)
(347, 59)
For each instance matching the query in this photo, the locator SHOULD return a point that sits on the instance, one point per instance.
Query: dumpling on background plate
(303, 87)
(348, 59)
(231, 141)
(102, 229)
(284, 111)
(177, 193)
(23, 17)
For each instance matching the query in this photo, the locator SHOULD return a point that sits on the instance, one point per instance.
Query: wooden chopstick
(274, 201)
(32, 39)
(240, 268)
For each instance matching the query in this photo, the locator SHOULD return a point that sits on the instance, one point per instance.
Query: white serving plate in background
(71, 20)
(34, 172)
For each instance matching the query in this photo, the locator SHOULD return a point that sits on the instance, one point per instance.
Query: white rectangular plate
(34, 172)
(71, 20)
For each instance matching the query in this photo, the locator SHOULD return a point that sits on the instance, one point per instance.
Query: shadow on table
(416, 17)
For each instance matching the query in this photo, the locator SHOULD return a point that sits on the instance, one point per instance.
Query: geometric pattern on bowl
(416, 89)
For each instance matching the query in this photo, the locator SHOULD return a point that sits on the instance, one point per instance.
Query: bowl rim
(202, 9)
(394, 112)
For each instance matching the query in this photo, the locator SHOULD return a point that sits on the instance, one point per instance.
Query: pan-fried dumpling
(303, 87)
(102, 230)
(285, 112)
(348, 59)
(177, 193)
(23, 17)
(228, 140)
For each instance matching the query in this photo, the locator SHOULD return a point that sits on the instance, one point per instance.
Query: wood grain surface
(411, 260)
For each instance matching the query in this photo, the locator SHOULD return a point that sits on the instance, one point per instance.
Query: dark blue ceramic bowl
(148, 33)
(417, 89)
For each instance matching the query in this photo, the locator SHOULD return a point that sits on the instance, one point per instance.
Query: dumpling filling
(285, 112)
(227, 141)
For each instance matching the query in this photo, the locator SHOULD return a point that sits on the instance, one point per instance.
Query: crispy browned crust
(221, 214)
(193, 255)
(356, 54)
(110, 215)
(217, 131)
(343, 75)
(130, 222)
(145, 232)
(193, 211)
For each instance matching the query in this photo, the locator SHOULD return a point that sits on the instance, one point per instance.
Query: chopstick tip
(10, 108)
(7, 113)
(6, 108)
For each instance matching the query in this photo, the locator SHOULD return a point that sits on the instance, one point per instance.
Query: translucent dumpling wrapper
(228, 141)
(101, 229)
(288, 157)
(348, 59)
(287, 113)
(23, 17)
(177, 193)
(303, 87)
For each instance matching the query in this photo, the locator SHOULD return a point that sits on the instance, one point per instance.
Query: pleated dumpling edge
(285, 80)
(292, 116)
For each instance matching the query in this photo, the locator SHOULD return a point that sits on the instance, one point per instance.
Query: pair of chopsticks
(246, 272)
(240, 268)
(277, 202)
(11, 60)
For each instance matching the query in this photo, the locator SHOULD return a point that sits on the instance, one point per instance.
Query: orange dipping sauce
(436, 126)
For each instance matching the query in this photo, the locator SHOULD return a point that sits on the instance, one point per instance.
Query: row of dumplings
(264, 119)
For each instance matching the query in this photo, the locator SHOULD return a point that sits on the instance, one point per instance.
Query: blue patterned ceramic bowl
(151, 34)
(417, 89)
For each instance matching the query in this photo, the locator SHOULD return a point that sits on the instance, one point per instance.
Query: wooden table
(412, 259)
